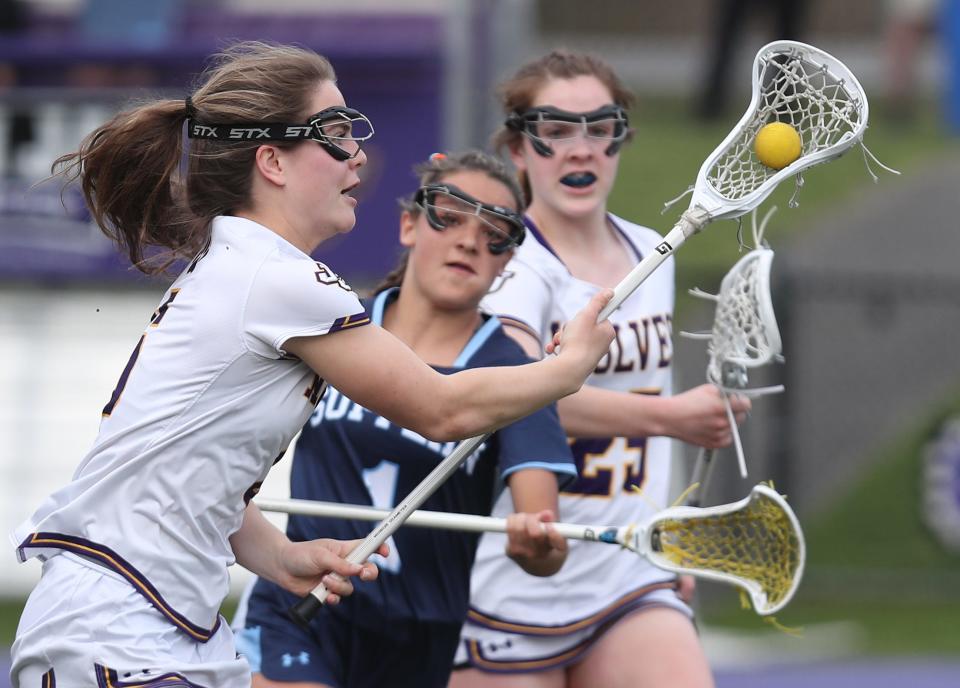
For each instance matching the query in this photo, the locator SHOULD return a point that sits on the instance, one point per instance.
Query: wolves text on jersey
(630, 349)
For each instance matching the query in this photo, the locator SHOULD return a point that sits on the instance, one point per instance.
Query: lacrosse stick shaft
(690, 223)
(702, 471)
(307, 608)
(438, 520)
(703, 468)
(685, 228)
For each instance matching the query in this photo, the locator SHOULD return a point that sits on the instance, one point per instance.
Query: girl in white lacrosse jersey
(136, 548)
(607, 618)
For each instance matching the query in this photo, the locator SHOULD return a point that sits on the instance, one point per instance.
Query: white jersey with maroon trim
(621, 480)
(207, 403)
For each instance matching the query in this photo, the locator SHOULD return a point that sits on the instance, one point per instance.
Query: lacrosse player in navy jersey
(459, 230)
(607, 618)
(136, 548)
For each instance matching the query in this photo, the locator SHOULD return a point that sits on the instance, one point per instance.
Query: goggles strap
(273, 131)
(250, 132)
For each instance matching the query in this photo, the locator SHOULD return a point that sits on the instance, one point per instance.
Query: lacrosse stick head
(799, 85)
(755, 544)
(745, 333)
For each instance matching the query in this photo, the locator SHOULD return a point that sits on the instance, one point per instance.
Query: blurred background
(866, 439)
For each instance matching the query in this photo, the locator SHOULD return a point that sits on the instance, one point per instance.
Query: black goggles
(547, 126)
(447, 206)
(340, 130)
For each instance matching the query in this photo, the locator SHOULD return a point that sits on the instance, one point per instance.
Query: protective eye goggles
(548, 126)
(447, 206)
(340, 130)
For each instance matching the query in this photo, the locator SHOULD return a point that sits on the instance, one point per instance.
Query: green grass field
(872, 561)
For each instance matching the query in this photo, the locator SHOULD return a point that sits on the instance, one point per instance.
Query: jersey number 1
(381, 482)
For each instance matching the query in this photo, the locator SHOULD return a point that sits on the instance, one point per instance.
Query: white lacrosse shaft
(703, 468)
(689, 224)
(702, 472)
(438, 520)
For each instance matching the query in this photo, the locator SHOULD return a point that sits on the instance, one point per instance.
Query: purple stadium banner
(388, 66)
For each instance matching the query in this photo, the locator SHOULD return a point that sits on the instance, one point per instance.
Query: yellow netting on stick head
(756, 544)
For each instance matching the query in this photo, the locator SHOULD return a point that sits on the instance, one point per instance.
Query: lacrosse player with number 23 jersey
(605, 619)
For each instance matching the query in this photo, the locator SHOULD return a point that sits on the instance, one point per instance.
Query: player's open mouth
(462, 266)
(578, 180)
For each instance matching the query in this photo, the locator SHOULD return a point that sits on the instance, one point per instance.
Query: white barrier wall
(61, 352)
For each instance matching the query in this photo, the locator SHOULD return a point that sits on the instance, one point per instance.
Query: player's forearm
(534, 491)
(596, 412)
(258, 544)
(472, 402)
(481, 400)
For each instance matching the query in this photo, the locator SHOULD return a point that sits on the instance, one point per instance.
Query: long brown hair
(435, 170)
(130, 169)
(517, 93)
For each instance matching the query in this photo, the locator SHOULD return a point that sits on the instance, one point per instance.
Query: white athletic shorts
(516, 649)
(85, 626)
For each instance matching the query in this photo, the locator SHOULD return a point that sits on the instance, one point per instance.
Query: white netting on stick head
(745, 333)
(744, 327)
(796, 84)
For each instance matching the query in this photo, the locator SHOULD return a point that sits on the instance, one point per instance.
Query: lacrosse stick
(755, 543)
(744, 336)
(822, 100)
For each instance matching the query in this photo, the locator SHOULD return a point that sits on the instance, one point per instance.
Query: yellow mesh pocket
(757, 543)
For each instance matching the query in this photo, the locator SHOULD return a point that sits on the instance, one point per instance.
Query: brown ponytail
(394, 278)
(130, 168)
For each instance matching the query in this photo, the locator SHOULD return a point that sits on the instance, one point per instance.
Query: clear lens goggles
(447, 206)
(547, 127)
(340, 130)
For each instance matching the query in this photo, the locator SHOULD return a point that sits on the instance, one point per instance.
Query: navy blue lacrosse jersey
(351, 455)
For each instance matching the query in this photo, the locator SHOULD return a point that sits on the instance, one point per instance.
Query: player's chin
(346, 223)
(458, 297)
(583, 205)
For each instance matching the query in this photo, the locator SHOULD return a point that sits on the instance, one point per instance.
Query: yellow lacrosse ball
(777, 145)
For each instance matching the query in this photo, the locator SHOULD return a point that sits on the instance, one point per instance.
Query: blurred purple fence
(72, 72)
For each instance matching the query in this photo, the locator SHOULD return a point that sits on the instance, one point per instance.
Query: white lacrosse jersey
(621, 480)
(207, 403)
